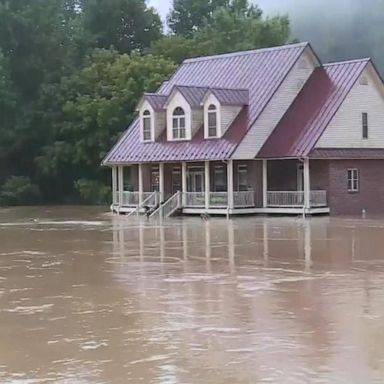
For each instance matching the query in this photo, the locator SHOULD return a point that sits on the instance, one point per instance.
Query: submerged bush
(93, 192)
(19, 190)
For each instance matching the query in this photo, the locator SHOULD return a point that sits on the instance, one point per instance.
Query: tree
(188, 16)
(241, 26)
(127, 25)
(88, 110)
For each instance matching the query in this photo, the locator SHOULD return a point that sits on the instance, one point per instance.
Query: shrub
(93, 192)
(19, 190)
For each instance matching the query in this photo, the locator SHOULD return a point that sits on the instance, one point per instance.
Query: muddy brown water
(87, 297)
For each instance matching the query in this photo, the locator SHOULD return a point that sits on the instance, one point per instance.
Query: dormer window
(147, 126)
(178, 124)
(212, 121)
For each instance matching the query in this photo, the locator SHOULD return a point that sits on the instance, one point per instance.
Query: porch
(222, 188)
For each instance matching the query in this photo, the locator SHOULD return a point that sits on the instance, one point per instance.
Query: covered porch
(221, 187)
(214, 187)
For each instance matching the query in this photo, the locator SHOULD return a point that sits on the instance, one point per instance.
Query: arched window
(178, 124)
(147, 129)
(212, 121)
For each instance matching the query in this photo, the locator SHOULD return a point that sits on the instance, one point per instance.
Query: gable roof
(193, 95)
(156, 100)
(260, 71)
(306, 120)
(235, 97)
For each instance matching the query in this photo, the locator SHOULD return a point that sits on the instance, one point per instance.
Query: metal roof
(156, 100)
(347, 153)
(313, 109)
(231, 96)
(260, 71)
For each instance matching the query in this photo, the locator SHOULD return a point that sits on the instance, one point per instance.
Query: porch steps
(167, 209)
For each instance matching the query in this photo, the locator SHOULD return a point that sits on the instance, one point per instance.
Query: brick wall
(371, 192)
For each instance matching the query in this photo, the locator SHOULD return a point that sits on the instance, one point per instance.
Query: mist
(338, 29)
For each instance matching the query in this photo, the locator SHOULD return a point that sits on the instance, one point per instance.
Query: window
(176, 179)
(212, 121)
(178, 124)
(220, 181)
(147, 129)
(365, 125)
(155, 179)
(242, 178)
(353, 180)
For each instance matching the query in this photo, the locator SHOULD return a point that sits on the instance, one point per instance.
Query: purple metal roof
(238, 97)
(313, 109)
(347, 153)
(193, 95)
(156, 100)
(261, 72)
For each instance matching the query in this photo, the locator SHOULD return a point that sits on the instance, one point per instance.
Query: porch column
(230, 183)
(141, 183)
(114, 185)
(265, 183)
(207, 184)
(307, 185)
(161, 182)
(121, 185)
(184, 183)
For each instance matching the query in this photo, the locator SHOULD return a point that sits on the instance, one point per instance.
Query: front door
(196, 181)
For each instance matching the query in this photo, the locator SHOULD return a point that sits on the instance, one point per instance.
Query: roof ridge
(229, 89)
(353, 61)
(244, 53)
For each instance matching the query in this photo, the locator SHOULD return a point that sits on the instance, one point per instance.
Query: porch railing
(243, 199)
(132, 199)
(295, 199)
(169, 207)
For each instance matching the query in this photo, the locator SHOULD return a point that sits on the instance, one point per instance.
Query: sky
(163, 5)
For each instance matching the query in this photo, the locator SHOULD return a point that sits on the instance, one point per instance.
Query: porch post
(161, 182)
(141, 184)
(121, 185)
(207, 184)
(114, 185)
(307, 185)
(230, 183)
(184, 183)
(265, 183)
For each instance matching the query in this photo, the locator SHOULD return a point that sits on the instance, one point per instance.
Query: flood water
(87, 297)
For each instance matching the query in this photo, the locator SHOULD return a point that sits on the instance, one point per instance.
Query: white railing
(132, 199)
(244, 199)
(294, 199)
(150, 201)
(319, 199)
(193, 199)
(218, 199)
(169, 207)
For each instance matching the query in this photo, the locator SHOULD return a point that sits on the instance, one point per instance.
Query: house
(266, 131)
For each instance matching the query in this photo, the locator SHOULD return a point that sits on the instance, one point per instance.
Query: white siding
(228, 115)
(160, 123)
(345, 129)
(211, 99)
(147, 107)
(197, 120)
(277, 107)
(178, 100)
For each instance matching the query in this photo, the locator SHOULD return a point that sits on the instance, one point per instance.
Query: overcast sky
(163, 5)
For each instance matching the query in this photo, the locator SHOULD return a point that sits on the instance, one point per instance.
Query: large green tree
(188, 16)
(88, 110)
(127, 25)
(241, 26)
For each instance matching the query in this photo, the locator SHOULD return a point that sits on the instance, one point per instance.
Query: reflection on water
(86, 297)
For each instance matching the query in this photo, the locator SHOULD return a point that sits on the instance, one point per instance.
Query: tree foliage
(72, 72)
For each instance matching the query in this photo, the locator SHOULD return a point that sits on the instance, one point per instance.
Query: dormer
(184, 112)
(221, 107)
(152, 116)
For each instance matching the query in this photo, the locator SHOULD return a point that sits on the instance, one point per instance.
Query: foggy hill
(337, 29)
